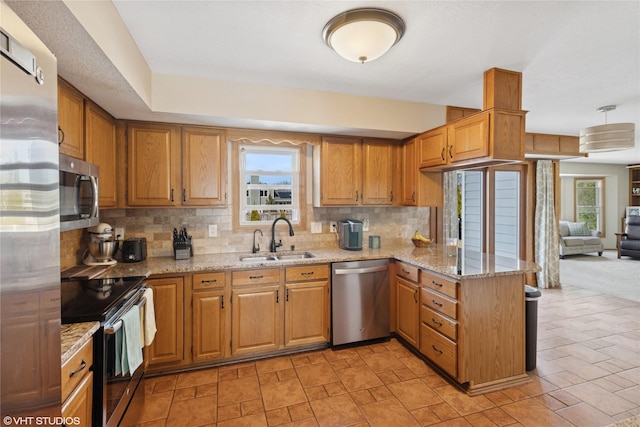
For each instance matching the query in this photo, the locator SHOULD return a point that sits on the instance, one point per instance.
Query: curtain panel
(547, 254)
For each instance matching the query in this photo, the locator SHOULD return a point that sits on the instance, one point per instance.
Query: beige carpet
(606, 274)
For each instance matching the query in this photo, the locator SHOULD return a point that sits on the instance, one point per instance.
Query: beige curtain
(547, 254)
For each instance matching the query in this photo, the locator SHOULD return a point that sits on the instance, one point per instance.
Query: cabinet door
(377, 182)
(100, 137)
(152, 165)
(204, 167)
(432, 147)
(255, 324)
(306, 313)
(409, 174)
(168, 301)
(208, 325)
(469, 139)
(70, 120)
(408, 310)
(79, 404)
(341, 171)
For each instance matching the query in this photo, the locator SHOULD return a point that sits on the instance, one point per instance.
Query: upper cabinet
(70, 120)
(356, 172)
(546, 146)
(173, 166)
(100, 137)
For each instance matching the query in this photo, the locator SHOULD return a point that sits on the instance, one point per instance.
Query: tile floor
(588, 374)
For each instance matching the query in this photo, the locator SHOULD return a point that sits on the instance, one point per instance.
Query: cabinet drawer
(439, 349)
(255, 277)
(74, 370)
(440, 323)
(440, 303)
(209, 280)
(441, 284)
(407, 271)
(306, 272)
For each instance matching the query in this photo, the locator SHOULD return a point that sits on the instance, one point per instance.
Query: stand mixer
(102, 248)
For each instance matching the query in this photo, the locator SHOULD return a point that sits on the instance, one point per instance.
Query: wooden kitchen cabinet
(204, 166)
(307, 305)
(357, 172)
(70, 120)
(77, 385)
(153, 153)
(468, 138)
(167, 348)
(407, 303)
(432, 147)
(209, 323)
(100, 137)
(80, 404)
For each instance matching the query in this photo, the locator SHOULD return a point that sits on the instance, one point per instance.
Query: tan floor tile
(300, 411)
(274, 364)
(463, 403)
(282, 394)
(354, 362)
(229, 412)
(239, 390)
(537, 387)
(389, 377)
(434, 381)
(159, 423)
(358, 378)
(444, 411)
(456, 422)
(584, 415)
(564, 379)
(479, 420)
(300, 360)
(268, 377)
(425, 416)
(184, 394)
(305, 422)
(316, 374)
(256, 420)
(344, 353)
(550, 402)
(334, 389)
(251, 407)
(382, 362)
(405, 374)
(287, 374)
(316, 392)
(150, 409)
(362, 397)
(498, 398)
(193, 412)
(631, 394)
(278, 417)
(531, 413)
(336, 411)
(499, 417)
(581, 368)
(166, 385)
(229, 374)
(565, 397)
(247, 371)
(414, 394)
(339, 364)
(417, 366)
(206, 390)
(387, 413)
(195, 378)
(599, 398)
(381, 393)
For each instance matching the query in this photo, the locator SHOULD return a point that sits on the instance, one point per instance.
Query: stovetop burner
(95, 299)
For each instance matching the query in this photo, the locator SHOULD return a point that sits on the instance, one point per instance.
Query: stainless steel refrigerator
(29, 227)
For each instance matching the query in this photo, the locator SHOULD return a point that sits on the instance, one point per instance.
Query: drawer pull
(436, 303)
(255, 277)
(83, 365)
(307, 273)
(436, 322)
(415, 296)
(209, 281)
(436, 349)
(221, 301)
(436, 283)
(405, 271)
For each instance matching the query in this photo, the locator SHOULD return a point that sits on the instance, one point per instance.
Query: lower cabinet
(209, 303)
(77, 385)
(407, 303)
(255, 319)
(167, 348)
(307, 307)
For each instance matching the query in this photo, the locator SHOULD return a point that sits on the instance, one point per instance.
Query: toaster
(134, 249)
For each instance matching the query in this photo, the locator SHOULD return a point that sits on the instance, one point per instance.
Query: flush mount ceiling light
(362, 35)
(614, 137)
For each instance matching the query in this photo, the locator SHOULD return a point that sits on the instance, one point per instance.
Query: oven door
(119, 388)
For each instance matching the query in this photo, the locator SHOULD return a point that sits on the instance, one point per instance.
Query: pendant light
(362, 35)
(613, 137)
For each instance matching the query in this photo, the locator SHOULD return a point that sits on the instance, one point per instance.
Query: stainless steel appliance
(350, 234)
(78, 193)
(102, 247)
(29, 224)
(105, 301)
(134, 249)
(359, 301)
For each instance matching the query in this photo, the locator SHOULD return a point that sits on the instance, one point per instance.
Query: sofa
(628, 243)
(576, 238)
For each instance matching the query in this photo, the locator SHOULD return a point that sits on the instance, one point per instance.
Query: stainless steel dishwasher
(359, 300)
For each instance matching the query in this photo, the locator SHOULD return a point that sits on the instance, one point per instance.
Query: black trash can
(531, 312)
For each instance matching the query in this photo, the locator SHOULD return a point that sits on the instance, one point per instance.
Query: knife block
(183, 250)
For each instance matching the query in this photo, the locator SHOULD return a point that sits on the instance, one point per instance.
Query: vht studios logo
(40, 421)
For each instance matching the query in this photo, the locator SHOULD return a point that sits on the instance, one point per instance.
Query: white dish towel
(148, 319)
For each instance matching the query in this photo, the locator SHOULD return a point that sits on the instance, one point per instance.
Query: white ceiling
(575, 56)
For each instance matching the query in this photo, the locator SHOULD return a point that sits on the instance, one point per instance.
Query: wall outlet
(333, 226)
(316, 227)
(365, 224)
(119, 232)
(213, 230)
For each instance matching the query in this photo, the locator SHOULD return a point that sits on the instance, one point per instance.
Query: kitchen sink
(276, 257)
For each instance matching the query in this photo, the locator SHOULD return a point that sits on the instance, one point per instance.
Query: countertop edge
(74, 336)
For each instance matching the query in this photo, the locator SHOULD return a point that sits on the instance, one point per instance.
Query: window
(589, 194)
(270, 179)
(506, 220)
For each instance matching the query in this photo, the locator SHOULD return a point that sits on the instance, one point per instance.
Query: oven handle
(112, 329)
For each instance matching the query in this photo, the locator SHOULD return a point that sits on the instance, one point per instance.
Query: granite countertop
(433, 257)
(74, 336)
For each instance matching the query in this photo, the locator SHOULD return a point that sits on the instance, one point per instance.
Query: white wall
(616, 190)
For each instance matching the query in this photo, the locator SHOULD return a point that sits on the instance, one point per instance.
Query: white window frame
(600, 208)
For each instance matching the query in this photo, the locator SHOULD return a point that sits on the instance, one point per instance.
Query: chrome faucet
(256, 248)
(274, 245)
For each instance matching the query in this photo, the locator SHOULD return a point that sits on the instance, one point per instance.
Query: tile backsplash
(392, 224)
